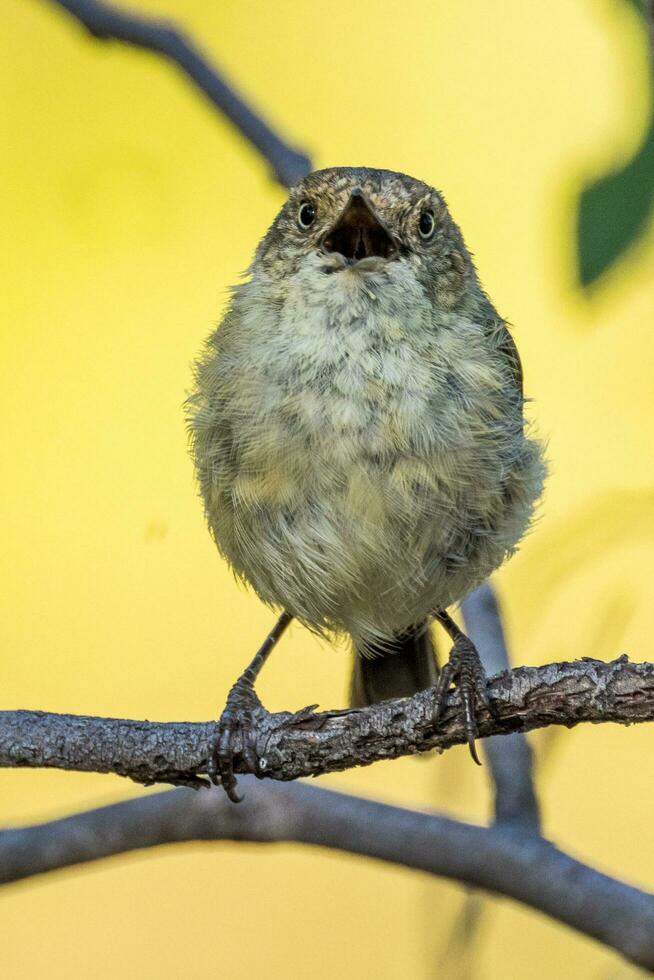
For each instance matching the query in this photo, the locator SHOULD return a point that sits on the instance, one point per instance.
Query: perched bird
(358, 434)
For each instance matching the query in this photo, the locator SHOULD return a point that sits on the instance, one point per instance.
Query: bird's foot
(465, 670)
(235, 731)
(233, 737)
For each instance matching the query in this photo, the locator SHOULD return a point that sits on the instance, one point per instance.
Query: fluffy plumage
(357, 428)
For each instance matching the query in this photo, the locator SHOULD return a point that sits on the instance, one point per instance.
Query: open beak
(359, 233)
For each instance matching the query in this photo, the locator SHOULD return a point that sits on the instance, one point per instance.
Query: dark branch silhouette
(284, 748)
(509, 756)
(516, 863)
(108, 23)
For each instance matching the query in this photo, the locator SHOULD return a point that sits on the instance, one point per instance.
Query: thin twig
(517, 864)
(108, 23)
(510, 757)
(286, 747)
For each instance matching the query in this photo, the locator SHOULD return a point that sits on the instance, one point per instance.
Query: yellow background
(128, 208)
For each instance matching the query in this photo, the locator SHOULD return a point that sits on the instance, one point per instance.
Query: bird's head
(358, 222)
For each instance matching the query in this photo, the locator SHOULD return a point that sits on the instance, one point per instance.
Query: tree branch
(510, 757)
(108, 23)
(517, 864)
(285, 748)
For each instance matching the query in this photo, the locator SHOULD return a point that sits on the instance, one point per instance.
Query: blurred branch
(282, 747)
(510, 757)
(108, 23)
(516, 864)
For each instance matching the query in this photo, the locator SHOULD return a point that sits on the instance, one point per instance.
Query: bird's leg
(237, 715)
(464, 668)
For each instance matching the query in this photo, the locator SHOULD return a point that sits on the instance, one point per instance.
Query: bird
(357, 428)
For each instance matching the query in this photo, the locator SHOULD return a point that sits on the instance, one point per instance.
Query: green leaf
(640, 5)
(614, 211)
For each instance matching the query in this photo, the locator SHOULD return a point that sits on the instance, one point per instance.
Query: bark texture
(286, 747)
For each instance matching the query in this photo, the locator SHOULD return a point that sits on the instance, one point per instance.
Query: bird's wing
(507, 348)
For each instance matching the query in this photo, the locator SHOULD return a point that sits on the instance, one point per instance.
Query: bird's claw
(232, 738)
(465, 670)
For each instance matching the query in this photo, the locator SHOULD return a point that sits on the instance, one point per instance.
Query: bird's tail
(395, 670)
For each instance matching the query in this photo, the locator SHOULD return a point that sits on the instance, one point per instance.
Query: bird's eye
(306, 215)
(426, 225)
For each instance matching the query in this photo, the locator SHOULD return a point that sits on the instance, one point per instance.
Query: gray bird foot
(464, 669)
(234, 734)
(233, 737)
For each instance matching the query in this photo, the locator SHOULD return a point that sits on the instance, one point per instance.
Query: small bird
(358, 434)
